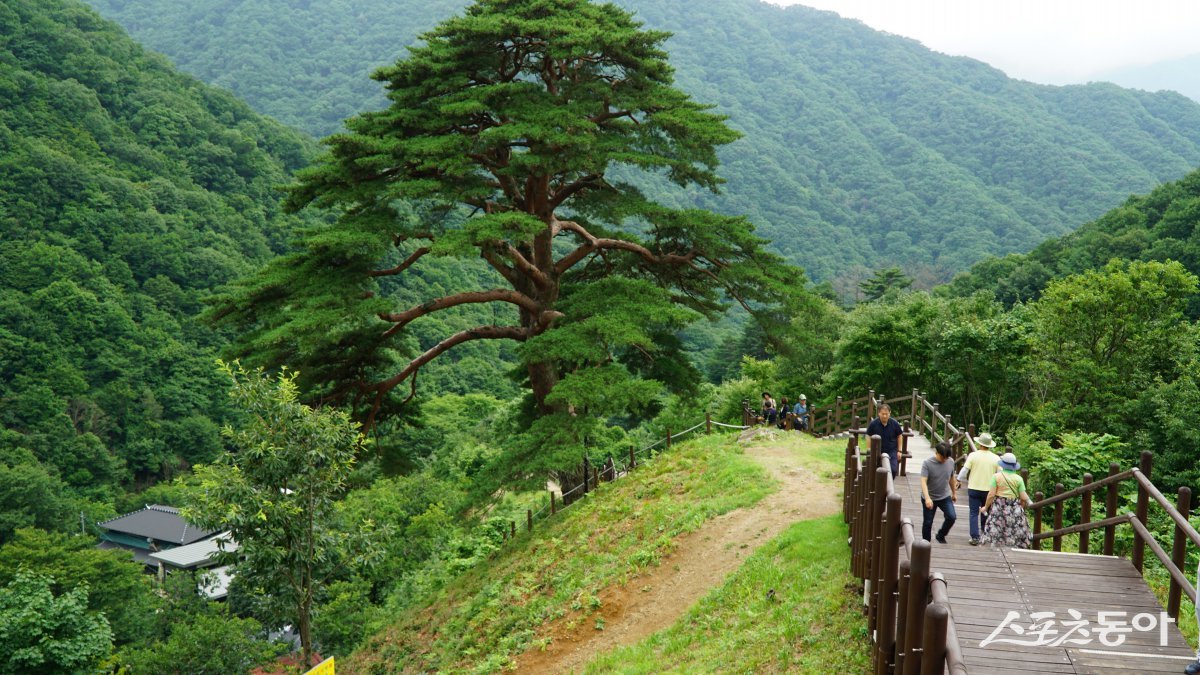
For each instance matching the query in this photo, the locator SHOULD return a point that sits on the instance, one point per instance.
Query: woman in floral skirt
(1007, 524)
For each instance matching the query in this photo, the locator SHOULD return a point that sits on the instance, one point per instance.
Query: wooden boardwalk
(985, 584)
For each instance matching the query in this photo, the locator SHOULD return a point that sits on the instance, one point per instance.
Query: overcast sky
(1047, 41)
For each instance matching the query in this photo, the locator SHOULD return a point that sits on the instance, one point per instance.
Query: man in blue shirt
(801, 411)
(889, 430)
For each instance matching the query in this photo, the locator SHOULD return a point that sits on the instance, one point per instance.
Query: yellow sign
(323, 668)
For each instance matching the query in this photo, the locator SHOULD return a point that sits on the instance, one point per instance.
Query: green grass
(813, 623)
(490, 614)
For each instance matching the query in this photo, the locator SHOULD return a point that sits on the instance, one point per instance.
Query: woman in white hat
(1006, 523)
(979, 471)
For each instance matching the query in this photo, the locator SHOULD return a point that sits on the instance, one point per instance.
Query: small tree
(883, 281)
(276, 493)
(44, 633)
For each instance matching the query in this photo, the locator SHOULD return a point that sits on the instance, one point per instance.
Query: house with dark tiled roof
(150, 530)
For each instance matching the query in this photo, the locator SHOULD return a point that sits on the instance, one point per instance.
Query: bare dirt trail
(702, 560)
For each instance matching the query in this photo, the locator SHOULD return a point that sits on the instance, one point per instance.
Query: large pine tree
(508, 138)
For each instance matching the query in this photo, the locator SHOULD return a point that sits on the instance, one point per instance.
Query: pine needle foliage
(505, 133)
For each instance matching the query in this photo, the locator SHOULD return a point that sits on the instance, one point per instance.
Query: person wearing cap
(801, 412)
(939, 490)
(978, 471)
(1006, 522)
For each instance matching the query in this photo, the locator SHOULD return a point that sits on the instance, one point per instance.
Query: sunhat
(985, 440)
(1009, 461)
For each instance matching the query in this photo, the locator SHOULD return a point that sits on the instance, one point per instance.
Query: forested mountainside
(128, 192)
(1162, 225)
(861, 148)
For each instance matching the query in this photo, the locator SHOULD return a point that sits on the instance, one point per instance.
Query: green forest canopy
(128, 193)
(861, 149)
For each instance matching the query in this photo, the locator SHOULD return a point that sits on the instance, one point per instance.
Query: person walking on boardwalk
(1006, 522)
(978, 471)
(939, 490)
(889, 431)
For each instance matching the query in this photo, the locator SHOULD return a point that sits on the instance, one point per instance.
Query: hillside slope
(1161, 225)
(625, 563)
(861, 148)
(128, 192)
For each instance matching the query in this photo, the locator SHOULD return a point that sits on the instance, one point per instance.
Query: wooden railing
(611, 469)
(1147, 492)
(907, 605)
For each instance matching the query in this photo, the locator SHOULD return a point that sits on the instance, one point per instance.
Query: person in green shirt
(1006, 523)
(978, 471)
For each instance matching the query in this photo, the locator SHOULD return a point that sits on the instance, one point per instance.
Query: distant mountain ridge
(1181, 75)
(862, 149)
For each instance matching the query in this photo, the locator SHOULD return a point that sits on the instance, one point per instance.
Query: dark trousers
(977, 498)
(894, 456)
(947, 507)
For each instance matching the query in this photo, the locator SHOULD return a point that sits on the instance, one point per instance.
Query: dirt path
(702, 560)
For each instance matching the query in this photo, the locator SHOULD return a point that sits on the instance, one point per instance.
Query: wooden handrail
(1157, 496)
(1177, 575)
(908, 629)
(954, 656)
(1090, 487)
(1082, 527)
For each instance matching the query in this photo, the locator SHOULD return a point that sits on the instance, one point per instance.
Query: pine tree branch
(478, 333)
(402, 319)
(408, 262)
(565, 193)
(522, 265)
(591, 244)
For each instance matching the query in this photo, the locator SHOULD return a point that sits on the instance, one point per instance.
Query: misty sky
(1047, 41)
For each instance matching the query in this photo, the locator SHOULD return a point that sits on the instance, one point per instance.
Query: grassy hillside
(623, 531)
(861, 148)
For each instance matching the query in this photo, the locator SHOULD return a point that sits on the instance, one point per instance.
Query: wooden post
(885, 631)
(708, 423)
(632, 458)
(1058, 516)
(912, 415)
(668, 438)
(1037, 522)
(933, 426)
(1179, 552)
(902, 450)
(553, 506)
(902, 600)
(595, 477)
(832, 419)
(853, 414)
(529, 519)
(513, 531)
(1110, 510)
(871, 411)
(1143, 503)
(918, 591)
(878, 524)
(971, 431)
(1085, 515)
(847, 479)
(946, 433)
(586, 471)
(933, 646)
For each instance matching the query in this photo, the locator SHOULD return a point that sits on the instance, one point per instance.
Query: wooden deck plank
(984, 583)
